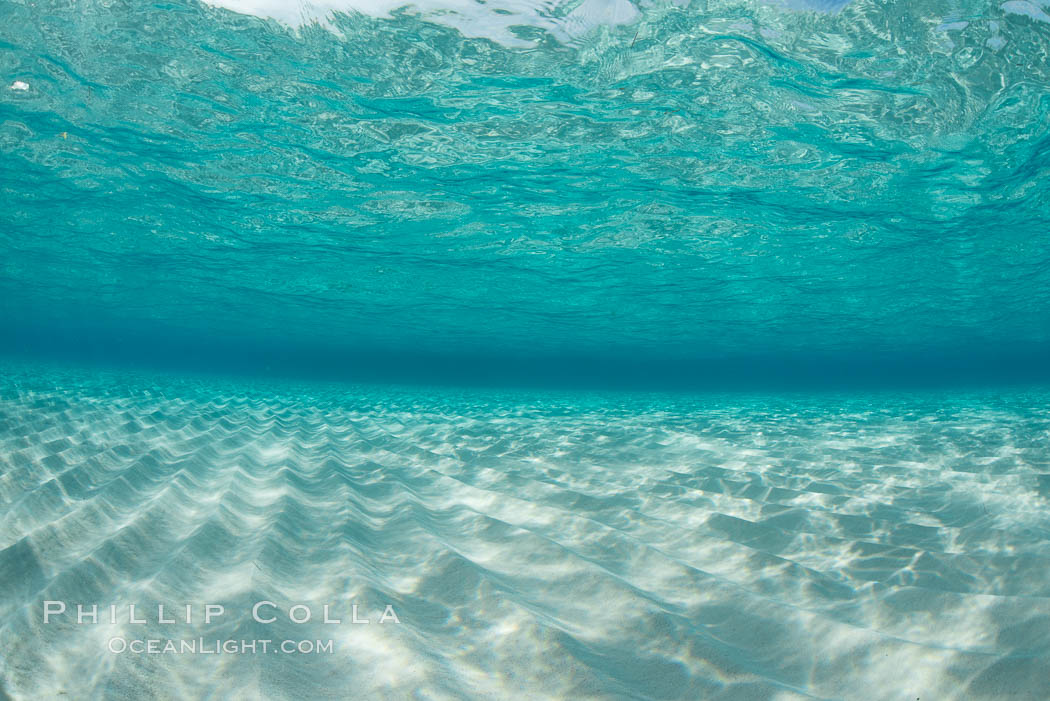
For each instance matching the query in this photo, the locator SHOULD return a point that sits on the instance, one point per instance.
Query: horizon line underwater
(525, 349)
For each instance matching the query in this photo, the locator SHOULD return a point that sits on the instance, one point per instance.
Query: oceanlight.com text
(201, 646)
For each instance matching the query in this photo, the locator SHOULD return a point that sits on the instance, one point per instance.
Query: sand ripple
(597, 546)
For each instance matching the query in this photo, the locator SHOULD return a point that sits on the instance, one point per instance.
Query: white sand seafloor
(533, 545)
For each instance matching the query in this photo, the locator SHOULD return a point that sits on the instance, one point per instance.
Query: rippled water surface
(214, 216)
(581, 179)
(563, 546)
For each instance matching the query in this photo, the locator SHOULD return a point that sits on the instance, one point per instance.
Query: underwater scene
(525, 349)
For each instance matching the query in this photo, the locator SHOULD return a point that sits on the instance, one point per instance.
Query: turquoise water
(725, 185)
(623, 349)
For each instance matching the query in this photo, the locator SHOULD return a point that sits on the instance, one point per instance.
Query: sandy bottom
(531, 545)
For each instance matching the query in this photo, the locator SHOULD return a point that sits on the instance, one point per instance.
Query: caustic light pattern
(591, 546)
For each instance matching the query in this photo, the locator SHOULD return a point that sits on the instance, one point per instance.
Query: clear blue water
(733, 186)
(628, 349)
(534, 544)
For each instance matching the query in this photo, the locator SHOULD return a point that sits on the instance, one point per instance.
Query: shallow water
(339, 303)
(698, 184)
(594, 545)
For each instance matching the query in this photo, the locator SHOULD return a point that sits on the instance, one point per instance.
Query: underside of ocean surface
(525, 349)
